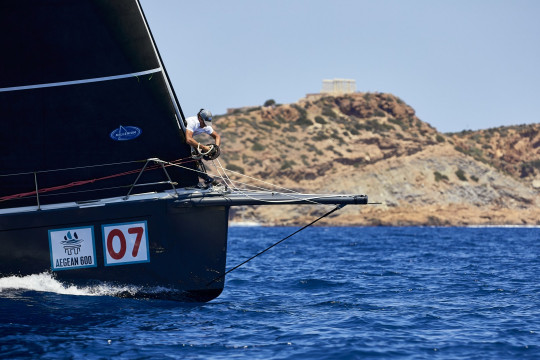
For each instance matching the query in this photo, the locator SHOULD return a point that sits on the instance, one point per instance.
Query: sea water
(326, 293)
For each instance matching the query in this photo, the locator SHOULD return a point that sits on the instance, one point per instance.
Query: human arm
(192, 142)
(216, 137)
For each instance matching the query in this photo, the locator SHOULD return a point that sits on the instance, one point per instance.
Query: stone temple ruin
(338, 86)
(334, 87)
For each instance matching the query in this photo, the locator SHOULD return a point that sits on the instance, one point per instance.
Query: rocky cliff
(374, 144)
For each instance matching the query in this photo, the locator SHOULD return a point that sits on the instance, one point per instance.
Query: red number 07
(139, 231)
(116, 232)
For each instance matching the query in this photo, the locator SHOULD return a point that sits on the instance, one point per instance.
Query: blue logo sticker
(124, 133)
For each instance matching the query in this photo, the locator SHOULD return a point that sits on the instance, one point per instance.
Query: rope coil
(204, 153)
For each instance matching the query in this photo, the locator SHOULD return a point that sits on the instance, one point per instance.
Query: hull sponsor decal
(72, 248)
(124, 133)
(125, 243)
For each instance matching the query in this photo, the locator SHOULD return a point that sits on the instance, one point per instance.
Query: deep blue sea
(326, 293)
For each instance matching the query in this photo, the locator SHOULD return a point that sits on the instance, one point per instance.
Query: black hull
(186, 247)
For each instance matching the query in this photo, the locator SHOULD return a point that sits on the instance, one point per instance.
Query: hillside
(373, 143)
(513, 150)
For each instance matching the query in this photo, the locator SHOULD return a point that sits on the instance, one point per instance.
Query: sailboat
(97, 184)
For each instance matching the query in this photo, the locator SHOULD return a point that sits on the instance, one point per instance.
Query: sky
(461, 64)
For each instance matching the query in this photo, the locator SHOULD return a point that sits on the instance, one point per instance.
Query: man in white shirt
(195, 125)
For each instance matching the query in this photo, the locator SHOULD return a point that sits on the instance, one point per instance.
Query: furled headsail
(82, 85)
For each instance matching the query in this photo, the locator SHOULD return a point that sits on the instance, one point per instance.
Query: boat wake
(45, 282)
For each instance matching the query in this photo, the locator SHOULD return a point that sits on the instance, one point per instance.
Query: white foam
(47, 283)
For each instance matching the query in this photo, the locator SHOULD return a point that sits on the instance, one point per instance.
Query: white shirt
(194, 125)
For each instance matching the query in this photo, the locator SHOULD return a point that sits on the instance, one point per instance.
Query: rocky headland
(374, 144)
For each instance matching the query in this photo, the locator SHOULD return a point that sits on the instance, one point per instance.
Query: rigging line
(230, 180)
(66, 186)
(268, 190)
(186, 168)
(90, 166)
(262, 201)
(265, 182)
(149, 168)
(277, 243)
(245, 194)
(277, 201)
(246, 184)
(80, 191)
(241, 191)
(82, 81)
(222, 173)
(183, 167)
(225, 173)
(253, 198)
(222, 176)
(233, 185)
(75, 168)
(79, 183)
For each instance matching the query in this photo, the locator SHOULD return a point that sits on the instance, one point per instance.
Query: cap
(206, 115)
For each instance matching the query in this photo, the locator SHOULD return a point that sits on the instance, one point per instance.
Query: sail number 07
(125, 243)
(117, 233)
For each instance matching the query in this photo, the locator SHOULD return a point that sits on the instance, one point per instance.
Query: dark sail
(81, 84)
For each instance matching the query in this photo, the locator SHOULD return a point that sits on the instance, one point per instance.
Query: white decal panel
(72, 248)
(125, 243)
